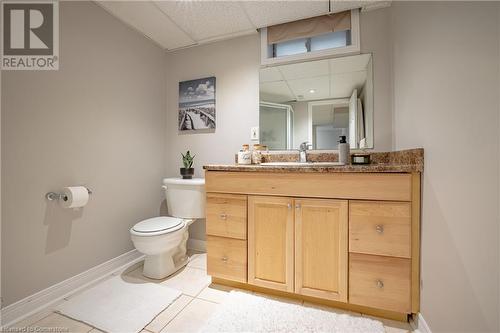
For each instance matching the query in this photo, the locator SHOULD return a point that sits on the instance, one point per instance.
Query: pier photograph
(197, 104)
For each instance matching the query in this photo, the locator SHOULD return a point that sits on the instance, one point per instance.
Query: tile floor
(188, 313)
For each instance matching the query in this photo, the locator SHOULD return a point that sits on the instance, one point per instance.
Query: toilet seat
(157, 226)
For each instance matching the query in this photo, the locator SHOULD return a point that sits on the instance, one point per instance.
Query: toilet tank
(185, 197)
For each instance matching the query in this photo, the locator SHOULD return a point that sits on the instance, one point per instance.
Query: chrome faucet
(304, 146)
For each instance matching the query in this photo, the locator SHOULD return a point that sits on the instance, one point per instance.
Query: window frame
(289, 120)
(338, 102)
(266, 50)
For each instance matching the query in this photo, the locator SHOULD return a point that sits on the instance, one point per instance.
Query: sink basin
(302, 164)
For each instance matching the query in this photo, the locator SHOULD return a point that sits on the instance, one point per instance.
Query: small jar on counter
(245, 155)
(257, 154)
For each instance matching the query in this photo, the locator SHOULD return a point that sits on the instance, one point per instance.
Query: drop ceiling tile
(343, 84)
(148, 19)
(269, 74)
(271, 12)
(305, 69)
(207, 19)
(349, 64)
(320, 85)
(276, 92)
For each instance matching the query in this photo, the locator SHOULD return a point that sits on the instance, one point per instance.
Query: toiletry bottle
(343, 150)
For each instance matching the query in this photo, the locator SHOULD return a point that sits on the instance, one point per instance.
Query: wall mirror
(316, 102)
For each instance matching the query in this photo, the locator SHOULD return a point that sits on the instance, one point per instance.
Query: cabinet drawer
(380, 282)
(227, 258)
(335, 185)
(227, 215)
(382, 228)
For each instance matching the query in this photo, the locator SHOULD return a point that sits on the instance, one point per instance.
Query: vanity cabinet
(351, 239)
(380, 254)
(226, 216)
(227, 258)
(380, 228)
(321, 248)
(298, 245)
(270, 242)
(380, 282)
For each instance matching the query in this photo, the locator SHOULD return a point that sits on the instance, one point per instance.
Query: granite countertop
(411, 160)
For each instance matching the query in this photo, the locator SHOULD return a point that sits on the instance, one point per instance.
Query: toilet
(163, 239)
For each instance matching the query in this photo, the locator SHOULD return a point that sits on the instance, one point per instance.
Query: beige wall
(100, 120)
(375, 33)
(1, 295)
(446, 81)
(235, 64)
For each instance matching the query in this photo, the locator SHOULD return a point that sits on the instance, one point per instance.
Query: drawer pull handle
(380, 284)
(224, 259)
(379, 228)
(223, 216)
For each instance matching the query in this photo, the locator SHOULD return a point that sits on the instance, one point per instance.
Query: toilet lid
(156, 224)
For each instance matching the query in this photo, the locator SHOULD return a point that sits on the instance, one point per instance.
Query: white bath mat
(242, 312)
(116, 306)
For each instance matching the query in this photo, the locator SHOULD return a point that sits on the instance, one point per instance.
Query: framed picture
(197, 105)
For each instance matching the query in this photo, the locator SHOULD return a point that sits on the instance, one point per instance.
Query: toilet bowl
(163, 239)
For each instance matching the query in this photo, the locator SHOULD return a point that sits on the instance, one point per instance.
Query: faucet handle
(305, 145)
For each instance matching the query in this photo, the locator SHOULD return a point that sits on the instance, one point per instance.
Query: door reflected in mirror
(317, 102)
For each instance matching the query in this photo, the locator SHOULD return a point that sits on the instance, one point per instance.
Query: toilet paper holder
(51, 196)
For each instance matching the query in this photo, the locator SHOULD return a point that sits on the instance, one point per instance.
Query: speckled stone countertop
(411, 160)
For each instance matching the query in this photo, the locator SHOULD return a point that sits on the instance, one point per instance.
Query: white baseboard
(47, 297)
(419, 325)
(197, 245)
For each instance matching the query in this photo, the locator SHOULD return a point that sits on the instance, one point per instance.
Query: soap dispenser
(343, 150)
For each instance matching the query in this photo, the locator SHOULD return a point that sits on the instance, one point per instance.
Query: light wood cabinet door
(226, 215)
(380, 228)
(321, 258)
(270, 242)
(227, 258)
(380, 282)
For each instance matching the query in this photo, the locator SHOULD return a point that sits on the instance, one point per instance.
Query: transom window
(326, 41)
(327, 35)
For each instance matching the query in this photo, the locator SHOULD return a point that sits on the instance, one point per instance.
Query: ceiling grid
(180, 24)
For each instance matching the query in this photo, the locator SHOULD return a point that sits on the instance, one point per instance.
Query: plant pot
(187, 173)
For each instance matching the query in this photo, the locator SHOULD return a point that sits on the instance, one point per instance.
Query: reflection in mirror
(328, 120)
(276, 125)
(317, 102)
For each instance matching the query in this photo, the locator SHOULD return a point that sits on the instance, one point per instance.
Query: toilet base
(158, 266)
(162, 265)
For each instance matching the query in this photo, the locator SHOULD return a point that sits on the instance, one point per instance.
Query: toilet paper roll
(74, 197)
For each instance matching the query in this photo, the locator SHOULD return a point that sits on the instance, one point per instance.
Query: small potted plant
(187, 172)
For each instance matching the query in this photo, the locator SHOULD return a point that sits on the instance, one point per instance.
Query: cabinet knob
(297, 206)
(224, 259)
(223, 216)
(289, 205)
(379, 228)
(380, 284)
